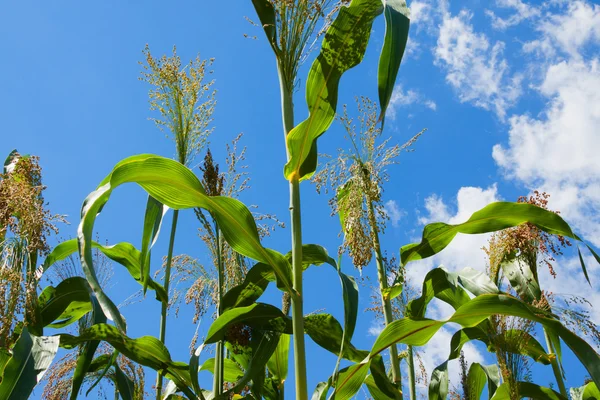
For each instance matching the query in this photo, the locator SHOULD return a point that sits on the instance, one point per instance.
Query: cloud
(476, 69)
(394, 212)
(567, 33)
(401, 98)
(522, 11)
(556, 152)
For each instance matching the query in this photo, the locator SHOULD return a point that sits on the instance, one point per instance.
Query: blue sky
(508, 90)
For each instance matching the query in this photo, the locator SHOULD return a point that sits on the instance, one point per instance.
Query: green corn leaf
(417, 332)
(386, 390)
(521, 278)
(147, 351)
(194, 368)
(438, 384)
(480, 375)
(66, 303)
(31, 357)
(343, 47)
(232, 372)
(260, 275)
(258, 315)
(86, 356)
(397, 24)
(321, 390)
(350, 380)
(266, 15)
(491, 218)
(263, 345)
(278, 363)
(587, 392)
(527, 390)
(123, 253)
(327, 332)
(124, 384)
(175, 186)
(153, 217)
(441, 284)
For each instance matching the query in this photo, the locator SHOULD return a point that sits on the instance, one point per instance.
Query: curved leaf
(480, 375)
(491, 218)
(175, 186)
(327, 332)
(67, 303)
(31, 357)
(123, 253)
(417, 332)
(258, 315)
(343, 47)
(397, 24)
(146, 350)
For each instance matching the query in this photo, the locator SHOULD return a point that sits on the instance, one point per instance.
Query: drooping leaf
(258, 315)
(480, 375)
(441, 284)
(66, 303)
(417, 332)
(31, 357)
(147, 351)
(491, 218)
(175, 186)
(123, 253)
(327, 332)
(397, 24)
(343, 47)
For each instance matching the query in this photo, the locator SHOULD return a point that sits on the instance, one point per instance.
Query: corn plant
(257, 334)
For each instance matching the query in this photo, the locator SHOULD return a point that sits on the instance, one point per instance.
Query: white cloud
(568, 33)
(522, 11)
(557, 152)
(476, 69)
(401, 98)
(394, 212)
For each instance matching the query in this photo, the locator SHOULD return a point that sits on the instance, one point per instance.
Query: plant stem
(411, 374)
(555, 366)
(386, 303)
(165, 305)
(287, 112)
(218, 372)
